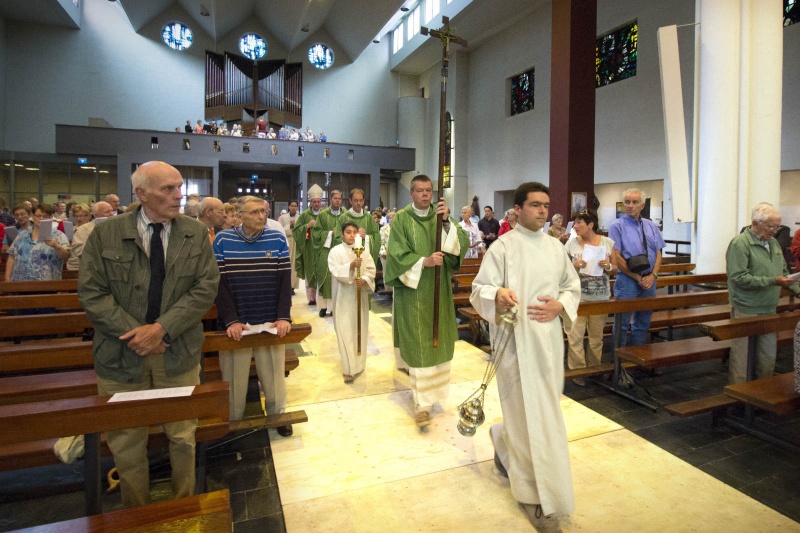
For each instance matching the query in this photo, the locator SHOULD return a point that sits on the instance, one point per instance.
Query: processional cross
(446, 36)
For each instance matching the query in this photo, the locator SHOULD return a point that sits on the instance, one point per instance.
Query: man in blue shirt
(255, 288)
(628, 233)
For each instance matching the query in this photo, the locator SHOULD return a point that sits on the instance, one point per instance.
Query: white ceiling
(352, 23)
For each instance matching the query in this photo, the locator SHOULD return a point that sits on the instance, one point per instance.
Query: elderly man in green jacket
(146, 279)
(756, 272)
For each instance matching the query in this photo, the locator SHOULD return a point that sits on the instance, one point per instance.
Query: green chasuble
(367, 223)
(326, 222)
(304, 262)
(414, 238)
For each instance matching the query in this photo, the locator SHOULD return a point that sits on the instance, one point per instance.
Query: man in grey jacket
(146, 310)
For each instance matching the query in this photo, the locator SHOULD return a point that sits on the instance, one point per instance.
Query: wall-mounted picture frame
(579, 202)
(620, 209)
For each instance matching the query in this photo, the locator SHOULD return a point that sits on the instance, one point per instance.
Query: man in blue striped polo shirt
(255, 288)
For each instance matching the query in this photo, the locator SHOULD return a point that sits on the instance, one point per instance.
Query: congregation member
(261, 128)
(113, 200)
(192, 208)
(342, 263)
(410, 267)
(236, 131)
(270, 222)
(326, 234)
(60, 211)
(322, 137)
(305, 263)
(254, 259)
(385, 232)
(231, 219)
(271, 134)
(639, 238)
(188, 127)
(146, 280)
(489, 226)
(22, 216)
(557, 229)
(287, 222)
(198, 128)
(590, 254)
(531, 442)
(756, 272)
(509, 223)
(30, 259)
(82, 214)
(6, 216)
(100, 210)
(476, 208)
(34, 202)
(795, 249)
(211, 212)
(472, 232)
(368, 229)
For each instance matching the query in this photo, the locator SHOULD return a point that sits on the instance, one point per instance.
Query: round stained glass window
(321, 56)
(177, 36)
(253, 46)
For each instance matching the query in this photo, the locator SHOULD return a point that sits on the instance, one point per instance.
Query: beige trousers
(129, 446)
(767, 347)
(576, 357)
(271, 369)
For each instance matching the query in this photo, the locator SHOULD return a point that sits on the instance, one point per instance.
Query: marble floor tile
(622, 483)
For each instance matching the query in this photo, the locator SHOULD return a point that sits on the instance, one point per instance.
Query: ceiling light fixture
(305, 29)
(204, 11)
(403, 9)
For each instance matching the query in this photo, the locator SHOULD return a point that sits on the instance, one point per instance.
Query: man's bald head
(158, 186)
(113, 200)
(102, 210)
(212, 212)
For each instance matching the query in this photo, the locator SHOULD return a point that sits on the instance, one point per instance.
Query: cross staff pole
(446, 36)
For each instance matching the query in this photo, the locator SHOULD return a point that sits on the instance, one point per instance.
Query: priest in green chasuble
(305, 263)
(326, 234)
(367, 227)
(410, 267)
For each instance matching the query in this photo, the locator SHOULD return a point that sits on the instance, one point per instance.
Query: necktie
(211, 234)
(157, 274)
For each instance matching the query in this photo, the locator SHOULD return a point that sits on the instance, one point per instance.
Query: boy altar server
(342, 263)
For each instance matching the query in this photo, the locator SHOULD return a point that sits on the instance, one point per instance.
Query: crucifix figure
(446, 36)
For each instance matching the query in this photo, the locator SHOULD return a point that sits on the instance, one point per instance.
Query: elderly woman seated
(557, 230)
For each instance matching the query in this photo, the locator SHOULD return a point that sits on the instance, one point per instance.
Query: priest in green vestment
(367, 227)
(410, 267)
(305, 262)
(326, 234)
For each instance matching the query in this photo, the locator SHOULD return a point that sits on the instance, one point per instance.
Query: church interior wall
(790, 120)
(3, 81)
(790, 199)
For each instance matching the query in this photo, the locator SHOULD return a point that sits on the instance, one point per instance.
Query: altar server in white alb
(342, 263)
(530, 270)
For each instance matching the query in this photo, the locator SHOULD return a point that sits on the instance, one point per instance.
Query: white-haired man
(100, 210)
(212, 214)
(756, 272)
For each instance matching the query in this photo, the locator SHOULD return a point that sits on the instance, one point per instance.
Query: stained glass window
(615, 55)
(522, 92)
(253, 46)
(791, 12)
(321, 56)
(177, 36)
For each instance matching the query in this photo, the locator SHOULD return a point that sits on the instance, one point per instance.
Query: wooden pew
(90, 416)
(62, 285)
(78, 383)
(204, 512)
(675, 268)
(723, 331)
(667, 260)
(775, 394)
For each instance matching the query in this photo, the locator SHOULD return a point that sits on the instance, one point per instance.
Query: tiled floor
(360, 464)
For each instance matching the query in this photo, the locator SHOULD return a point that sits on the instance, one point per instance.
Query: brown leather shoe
(423, 418)
(285, 431)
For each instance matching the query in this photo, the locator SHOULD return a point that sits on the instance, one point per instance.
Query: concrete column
(738, 158)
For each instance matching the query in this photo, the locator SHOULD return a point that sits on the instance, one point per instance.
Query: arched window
(177, 36)
(321, 56)
(253, 46)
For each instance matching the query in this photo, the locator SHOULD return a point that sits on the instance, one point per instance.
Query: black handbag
(639, 263)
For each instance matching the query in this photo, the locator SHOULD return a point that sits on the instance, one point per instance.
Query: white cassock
(344, 292)
(531, 441)
(285, 220)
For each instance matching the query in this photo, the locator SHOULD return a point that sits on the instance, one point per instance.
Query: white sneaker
(581, 382)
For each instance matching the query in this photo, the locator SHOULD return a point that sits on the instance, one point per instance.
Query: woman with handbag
(637, 256)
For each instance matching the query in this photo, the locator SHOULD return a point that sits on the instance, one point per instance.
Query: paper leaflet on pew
(266, 327)
(45, 230)
(151, 394)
